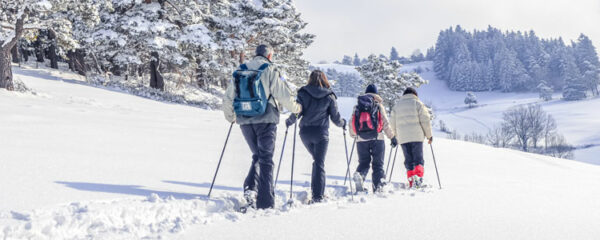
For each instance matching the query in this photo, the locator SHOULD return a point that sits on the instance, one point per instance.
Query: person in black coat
(318, 106)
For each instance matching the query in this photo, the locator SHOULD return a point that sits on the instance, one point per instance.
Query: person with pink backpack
(369, 123)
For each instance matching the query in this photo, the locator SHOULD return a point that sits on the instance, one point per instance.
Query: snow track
(156, 217)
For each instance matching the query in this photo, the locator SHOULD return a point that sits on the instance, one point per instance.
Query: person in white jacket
(411, 123)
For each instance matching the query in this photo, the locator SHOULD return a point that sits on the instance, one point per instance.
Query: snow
(84, 162)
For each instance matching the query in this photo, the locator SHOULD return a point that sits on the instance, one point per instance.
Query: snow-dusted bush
(545, 91)
(471, 100)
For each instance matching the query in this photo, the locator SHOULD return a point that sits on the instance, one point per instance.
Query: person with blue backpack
(369, 123)
(253, 100)
(318, 106)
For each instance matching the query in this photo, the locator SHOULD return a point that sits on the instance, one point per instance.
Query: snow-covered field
(579, 121)
(81, 162)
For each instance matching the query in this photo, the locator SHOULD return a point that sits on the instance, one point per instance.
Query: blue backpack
(250, 99)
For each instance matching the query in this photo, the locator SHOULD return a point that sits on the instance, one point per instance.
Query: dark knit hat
(371, 89)
(410, 90)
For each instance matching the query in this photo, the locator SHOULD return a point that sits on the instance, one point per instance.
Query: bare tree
(517, 124)
(499, 136)
(536, 117)
(549, 130)
(559, 147)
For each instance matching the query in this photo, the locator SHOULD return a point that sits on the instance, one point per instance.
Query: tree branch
(18, 33)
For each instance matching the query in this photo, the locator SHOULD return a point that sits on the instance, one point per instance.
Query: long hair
(318, 78)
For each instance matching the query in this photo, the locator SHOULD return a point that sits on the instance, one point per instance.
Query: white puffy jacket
(410, 120)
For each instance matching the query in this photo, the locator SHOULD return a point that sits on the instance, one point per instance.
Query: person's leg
(378, 152)
(309, 142)
(266, 146)
(408, 161)
(318, 170)
(418, 161)
(363, 149)
(251, 179)
(408, 157)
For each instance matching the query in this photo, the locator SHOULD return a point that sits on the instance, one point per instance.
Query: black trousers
(261, 140)
(316, 141)
(371, 152)
(413, 154)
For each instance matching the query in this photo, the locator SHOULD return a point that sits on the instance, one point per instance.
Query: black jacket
(318, 106)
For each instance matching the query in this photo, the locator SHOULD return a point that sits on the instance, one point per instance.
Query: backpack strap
(244, 67)
(263, 67)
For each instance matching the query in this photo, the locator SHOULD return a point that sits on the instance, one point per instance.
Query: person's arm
(386, 124)
(351, 129)
(227, 106)
(424, 120)
(295, 116)
(282, 92)
(334, 114)
(393, 122)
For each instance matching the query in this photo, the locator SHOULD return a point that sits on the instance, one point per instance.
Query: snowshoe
(315, 200)
(250, 197)
(418, 182)
(359, 182)
(380, 187)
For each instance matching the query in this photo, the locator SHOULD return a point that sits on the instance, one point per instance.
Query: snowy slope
(579, 121)
(79, 162)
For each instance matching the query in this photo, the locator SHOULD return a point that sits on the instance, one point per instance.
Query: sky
(345, 27)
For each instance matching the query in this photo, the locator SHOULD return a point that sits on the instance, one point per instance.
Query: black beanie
(410, 90)
(372, 89)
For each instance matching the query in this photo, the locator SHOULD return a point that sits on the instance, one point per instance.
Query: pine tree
(347, 60)
(545, 91)
(588, 63)
(394, 54)
(417, 56)
(356, 61)
(430, 54)
(30, 17)
(574, 89)
(384, 74)
(510, 61)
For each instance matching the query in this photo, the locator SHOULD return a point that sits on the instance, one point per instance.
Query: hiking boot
(379, 187)
(359, 182)
(315, 200)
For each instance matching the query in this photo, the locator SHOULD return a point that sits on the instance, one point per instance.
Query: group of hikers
(257, 95)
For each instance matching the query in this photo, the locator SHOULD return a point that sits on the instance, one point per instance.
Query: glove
(344, 122)
(290, 121)
(394, 142)
(430, 140)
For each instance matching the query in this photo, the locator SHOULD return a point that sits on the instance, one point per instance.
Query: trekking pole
(348, 162)
(435, 164)
(281, 157)
(293, 157)
(349, 159)
(389, 160)
(220, 158)
(393, 163)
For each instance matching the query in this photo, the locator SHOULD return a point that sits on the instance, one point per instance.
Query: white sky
(344, 27)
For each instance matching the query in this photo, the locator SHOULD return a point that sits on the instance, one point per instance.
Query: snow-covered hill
(579, 121)
(81, 162)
